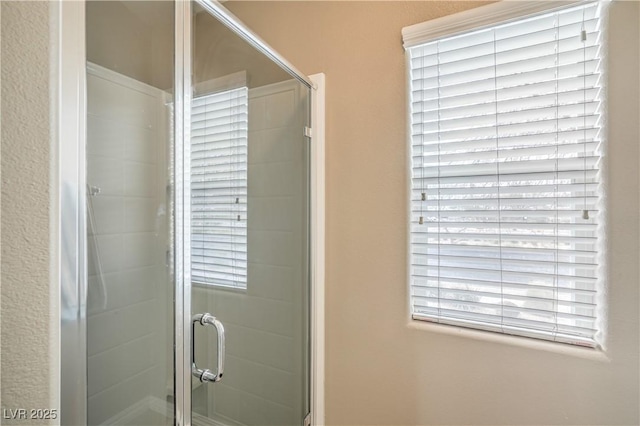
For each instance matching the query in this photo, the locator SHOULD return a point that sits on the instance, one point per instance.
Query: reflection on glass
(249, 172)
(219, 188)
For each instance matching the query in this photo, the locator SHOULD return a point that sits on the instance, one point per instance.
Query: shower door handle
(206, 375)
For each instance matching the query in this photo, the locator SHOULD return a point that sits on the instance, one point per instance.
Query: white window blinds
(505, 186)
(219, 188)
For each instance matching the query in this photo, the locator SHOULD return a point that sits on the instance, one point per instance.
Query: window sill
(516, 341)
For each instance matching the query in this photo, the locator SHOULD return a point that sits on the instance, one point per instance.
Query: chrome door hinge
(308, 132)
(307, 420)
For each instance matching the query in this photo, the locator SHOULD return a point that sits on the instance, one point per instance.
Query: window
(506, 191)
(219, 189)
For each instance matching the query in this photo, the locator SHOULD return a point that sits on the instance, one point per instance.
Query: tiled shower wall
(129, 338)
(126, 332)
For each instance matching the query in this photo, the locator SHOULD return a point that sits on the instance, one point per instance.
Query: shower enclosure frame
(68, 32)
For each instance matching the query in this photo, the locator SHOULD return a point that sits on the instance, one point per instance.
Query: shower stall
(189, 290)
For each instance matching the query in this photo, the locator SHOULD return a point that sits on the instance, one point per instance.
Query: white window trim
(318, 228)
(477, 18)
(471, 20)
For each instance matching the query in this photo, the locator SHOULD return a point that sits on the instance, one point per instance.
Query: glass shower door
(237, 263)
(249, 239)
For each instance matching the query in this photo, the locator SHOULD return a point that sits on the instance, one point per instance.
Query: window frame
(476, 19)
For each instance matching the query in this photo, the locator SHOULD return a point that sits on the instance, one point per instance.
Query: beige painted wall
(25, 302)
(380, 370)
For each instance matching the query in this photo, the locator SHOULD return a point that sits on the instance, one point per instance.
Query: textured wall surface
(379, 370)
(25, 207)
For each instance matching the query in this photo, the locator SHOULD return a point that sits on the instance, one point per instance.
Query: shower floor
(155, 412)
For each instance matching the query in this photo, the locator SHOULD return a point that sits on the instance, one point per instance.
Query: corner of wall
(54, 210)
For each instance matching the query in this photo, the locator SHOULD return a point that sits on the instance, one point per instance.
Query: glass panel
(130, 292)
(250, 233)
